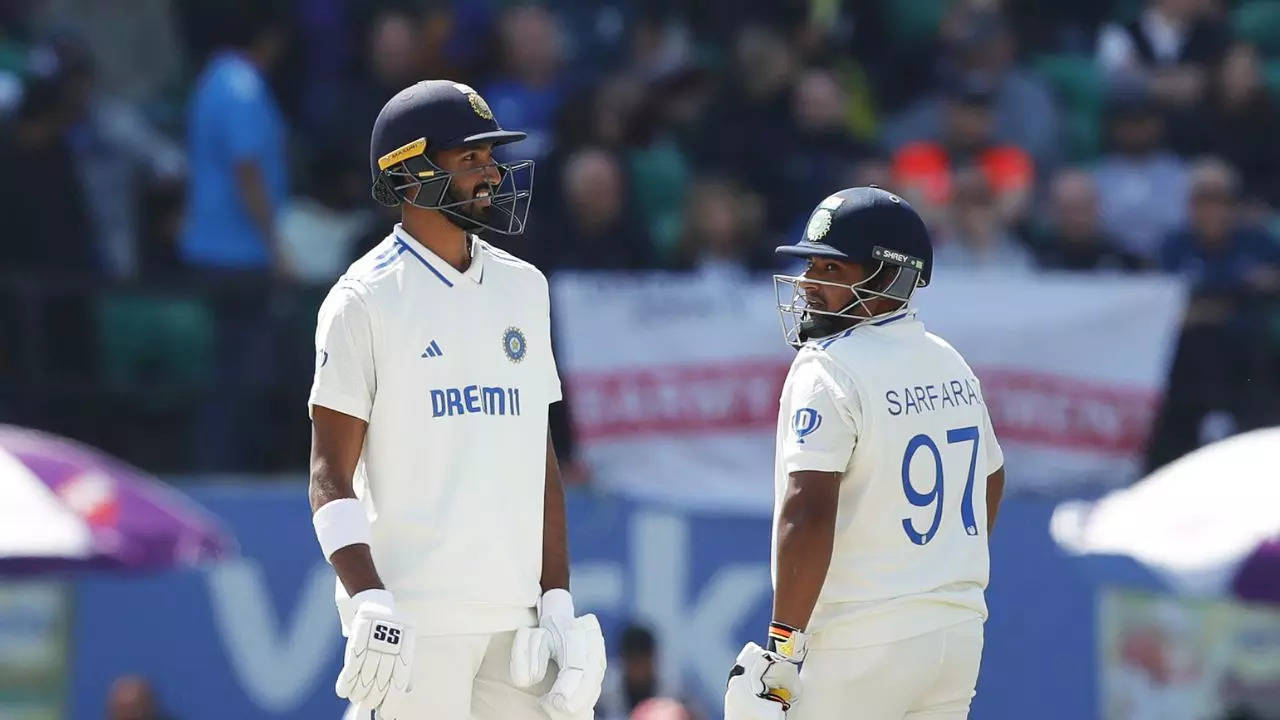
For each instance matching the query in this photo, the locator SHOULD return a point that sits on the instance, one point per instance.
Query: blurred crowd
(179, 183)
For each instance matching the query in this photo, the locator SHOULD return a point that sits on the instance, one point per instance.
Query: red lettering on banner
(677, 399)
(1057, 411)
(1026, 407)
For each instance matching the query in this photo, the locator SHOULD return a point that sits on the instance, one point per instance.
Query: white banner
(674, 380)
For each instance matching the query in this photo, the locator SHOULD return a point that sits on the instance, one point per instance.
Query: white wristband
(340, 523)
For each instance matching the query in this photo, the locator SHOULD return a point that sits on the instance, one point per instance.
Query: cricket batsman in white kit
(434, 484)
(887, 481)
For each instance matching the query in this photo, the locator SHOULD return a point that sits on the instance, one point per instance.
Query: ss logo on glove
(386, 634)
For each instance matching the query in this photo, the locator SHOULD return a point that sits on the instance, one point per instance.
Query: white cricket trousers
(927, 677)
(468, 677)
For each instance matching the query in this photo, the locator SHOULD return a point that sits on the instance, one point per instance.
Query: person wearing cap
(434, 483)
(887, 480)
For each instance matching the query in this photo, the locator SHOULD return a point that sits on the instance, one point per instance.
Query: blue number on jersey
(933, 496)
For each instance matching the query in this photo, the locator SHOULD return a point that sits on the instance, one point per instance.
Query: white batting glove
(764, 684)
(377, 667)
(576, 644)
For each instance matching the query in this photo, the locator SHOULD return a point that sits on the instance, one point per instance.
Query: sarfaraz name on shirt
(475, 400)
(927, 398)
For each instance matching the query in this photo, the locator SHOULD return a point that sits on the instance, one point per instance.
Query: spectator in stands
(1075, 239)
(1220, 373)
(134, 61)
(230, 242)
(393, 59)
(530, 89)
(1168, 51)
(924, 171)
(754, 104)
(635, 679)
(1143, 186)
(132, 698)
(43, 199)
(981, 50)
(1238, 123)
(596, 229)
(236, 144)
(1222, 257)
(320, 229)
(721, 236)
(975, 237)
(119, 156)
(818, 152)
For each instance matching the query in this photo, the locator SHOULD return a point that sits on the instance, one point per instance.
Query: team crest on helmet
(514, 345)
(480, 106)
(818, 226)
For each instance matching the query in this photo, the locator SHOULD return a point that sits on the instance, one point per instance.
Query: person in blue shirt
(1223, 376)
(236, 143)
(532, 87)
(237, 188)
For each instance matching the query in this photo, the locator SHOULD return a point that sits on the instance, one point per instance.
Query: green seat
(159, 350)
(659, 174)
(913, 21)
(1258, 21)
(1271, 77)
(1081, 89)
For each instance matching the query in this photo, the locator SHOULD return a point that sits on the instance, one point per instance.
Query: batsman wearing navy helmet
(434, 483)
(887, 481)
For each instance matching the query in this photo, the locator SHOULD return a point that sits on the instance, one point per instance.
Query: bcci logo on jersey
(804, 422)
(514, 345)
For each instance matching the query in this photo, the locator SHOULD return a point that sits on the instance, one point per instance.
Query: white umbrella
(1192, 521)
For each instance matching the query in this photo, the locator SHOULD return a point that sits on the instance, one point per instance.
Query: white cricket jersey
(900, 415)
(453, 372)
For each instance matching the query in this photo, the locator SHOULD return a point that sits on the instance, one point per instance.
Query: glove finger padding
(741, 703)
(742, 699)
(369, 672)
(396, 706)
(781, 680)
(350, 672)
(759, 680)
(381, 679)
(530, 651)
(578, 682)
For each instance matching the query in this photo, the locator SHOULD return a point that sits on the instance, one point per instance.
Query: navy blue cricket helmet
(435, 115)
(865, 225)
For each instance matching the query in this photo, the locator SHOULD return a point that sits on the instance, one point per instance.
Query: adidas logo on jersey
(433, 350)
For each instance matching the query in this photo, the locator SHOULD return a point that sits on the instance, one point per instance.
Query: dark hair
(636, 640)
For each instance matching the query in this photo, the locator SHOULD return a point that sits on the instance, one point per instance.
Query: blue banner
(258, 637)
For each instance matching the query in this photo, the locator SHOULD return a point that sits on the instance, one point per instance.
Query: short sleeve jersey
(899, 415)
(453, 372)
